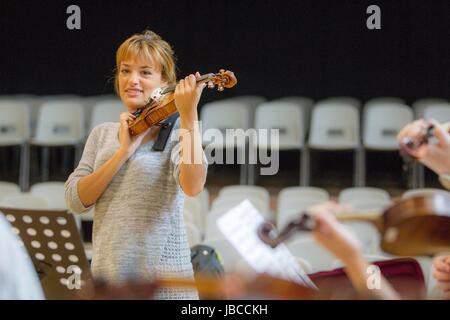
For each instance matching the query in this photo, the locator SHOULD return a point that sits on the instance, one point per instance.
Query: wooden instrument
(412, 227)
(230, 286)
(161, 104)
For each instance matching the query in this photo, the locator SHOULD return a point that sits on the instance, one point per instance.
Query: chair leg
(304, 167)
(356, 166)
(362, 167)
(45, 163)
(421, 175)
(24, 173)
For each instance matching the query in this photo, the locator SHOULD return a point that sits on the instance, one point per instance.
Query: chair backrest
(308, 249)
(381, 124)
(253, 191)
(52, 192)
(439, 112)
(334, 127)
(251, 101)
(303, 102)
(106, 111)
(60, 122)
(7, 188)
(351, 194)
(384, 100)
(24, 201)
(342, 100)
(420, 105)
(222, 115)
(288, 194)
(424, 192)
(287, 117)
(14, 122)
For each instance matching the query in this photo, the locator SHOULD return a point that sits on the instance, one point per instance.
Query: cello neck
(374, 218)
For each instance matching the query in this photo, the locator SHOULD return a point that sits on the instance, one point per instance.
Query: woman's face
(137, 80)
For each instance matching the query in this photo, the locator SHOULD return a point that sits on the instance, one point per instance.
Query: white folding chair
(52, 192)
(24, 201)
(251, 101)
(288, 119)
(384, 100)
(303, 102)
(292, 195)
(309, 250)
(424, 192)
(420, 105)
(350, 195)
(15, 131)
(439, 112)
(381, 124)
(7, 188)
(60, 123)
(342, 100)
(106, 111)
(251, 191)
(89, 103)
(216, 118)
(335, 127)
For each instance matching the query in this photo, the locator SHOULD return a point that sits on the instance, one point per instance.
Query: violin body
(153, 115)
(162, 103)
(417, 226)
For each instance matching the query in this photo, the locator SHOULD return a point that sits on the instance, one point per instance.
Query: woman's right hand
(333, 235)
(129, 144)
(434, 156)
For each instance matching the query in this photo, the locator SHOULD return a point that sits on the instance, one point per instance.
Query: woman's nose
(134, 79)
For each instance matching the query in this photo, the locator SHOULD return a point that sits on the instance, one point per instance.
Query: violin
(416, 226)
(161, 104)
(230, 286)
(408, 144)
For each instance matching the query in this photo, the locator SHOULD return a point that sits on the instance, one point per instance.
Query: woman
(138, 193)
(437, 158)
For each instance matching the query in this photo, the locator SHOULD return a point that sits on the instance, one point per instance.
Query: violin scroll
(223, 79)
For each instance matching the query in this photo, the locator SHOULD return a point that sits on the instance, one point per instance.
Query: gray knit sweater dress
(139, 230)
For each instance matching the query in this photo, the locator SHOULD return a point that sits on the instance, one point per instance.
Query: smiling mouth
(134, 91)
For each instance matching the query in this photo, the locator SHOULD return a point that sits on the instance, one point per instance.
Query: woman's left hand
(187, 96)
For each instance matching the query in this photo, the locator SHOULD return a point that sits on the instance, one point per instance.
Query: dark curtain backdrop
(315, 48)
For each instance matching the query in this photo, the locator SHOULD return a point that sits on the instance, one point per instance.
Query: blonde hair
(147, 46)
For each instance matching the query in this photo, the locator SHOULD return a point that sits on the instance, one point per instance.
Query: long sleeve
(85, 167)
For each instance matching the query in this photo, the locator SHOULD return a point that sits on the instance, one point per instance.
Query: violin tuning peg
(210, 84)
(220, 88)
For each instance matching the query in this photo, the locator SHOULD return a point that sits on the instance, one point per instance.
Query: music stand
(54, 245)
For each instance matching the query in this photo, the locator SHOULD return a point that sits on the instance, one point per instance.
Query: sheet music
(239, 225)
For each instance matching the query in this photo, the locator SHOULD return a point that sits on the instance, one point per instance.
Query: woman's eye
(147, 73)
(124, 71)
